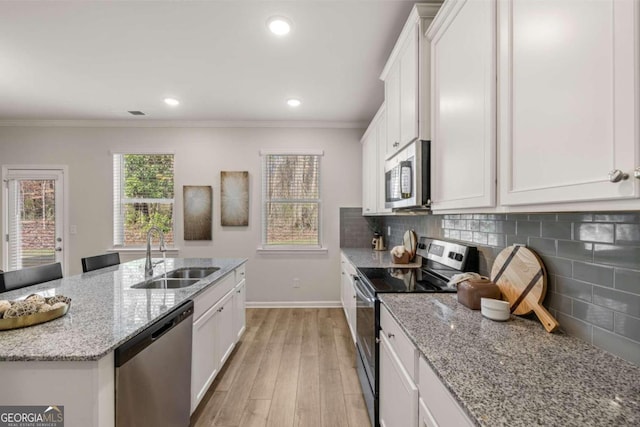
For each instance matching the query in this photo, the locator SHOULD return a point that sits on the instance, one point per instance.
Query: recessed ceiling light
(279, 25)
(293, 102)
(171, 101)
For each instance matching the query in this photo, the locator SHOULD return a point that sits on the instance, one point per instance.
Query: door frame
(65, 209)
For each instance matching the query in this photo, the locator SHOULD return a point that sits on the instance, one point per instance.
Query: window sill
(154, 250)
(291, 250)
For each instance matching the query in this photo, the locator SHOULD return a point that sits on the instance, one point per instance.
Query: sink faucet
(148, 266)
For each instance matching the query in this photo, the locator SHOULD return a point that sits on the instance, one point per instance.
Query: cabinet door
(381, 130)
(463, 106)
(409, 89)
(204, 361)
(392, 101)
(425, 419)
(369, 182)
(351, 296)
(239, 309)
(225, 334)
(568, 100)
(398, 393)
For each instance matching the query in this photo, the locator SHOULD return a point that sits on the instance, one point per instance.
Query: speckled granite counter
(365, 257)
(514, 373)
(105, 311)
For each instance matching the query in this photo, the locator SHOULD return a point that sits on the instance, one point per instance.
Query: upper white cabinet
(463, 105)
(373, 155)
(406, 78)
(569, 110)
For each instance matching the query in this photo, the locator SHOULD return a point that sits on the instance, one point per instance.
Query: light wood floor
(293, 367)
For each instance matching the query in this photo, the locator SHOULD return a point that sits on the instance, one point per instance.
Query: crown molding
(182, 124)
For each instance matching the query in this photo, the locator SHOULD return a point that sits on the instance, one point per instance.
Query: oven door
(366, 343)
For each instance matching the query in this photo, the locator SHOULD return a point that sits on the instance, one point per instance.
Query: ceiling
(96, 60)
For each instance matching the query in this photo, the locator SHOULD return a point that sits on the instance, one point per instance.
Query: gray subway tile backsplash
(620, 256)
(593, 273)
(592, 260)
(594, 314)
(627, 280)
(593, 232)
(627, 326)
(619, 301)
(628, 234)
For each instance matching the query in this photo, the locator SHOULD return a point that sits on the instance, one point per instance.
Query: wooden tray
(33, 319)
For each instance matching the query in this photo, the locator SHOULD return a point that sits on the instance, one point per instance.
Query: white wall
(200, 155)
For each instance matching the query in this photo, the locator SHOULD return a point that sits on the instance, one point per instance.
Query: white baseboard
(293, 304)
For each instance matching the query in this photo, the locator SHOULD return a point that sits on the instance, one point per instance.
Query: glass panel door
(34, 218)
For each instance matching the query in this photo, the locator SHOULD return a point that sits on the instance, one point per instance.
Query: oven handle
(361, 294)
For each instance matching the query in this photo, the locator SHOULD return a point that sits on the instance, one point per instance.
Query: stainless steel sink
(192, 272)
(162, 283)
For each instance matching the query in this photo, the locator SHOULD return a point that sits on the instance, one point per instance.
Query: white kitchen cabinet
(463, 105)
(369, 169)
(239, 309)
(348, 294)
(373, 156)
(406, 76)
(218, 323)
(398, 393)
(569, 111)
(437, 406)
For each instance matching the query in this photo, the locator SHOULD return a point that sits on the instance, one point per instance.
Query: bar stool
(100, 261)
(17, 279)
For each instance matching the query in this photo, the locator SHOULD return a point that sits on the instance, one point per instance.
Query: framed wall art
(198, 212)
(234, 198)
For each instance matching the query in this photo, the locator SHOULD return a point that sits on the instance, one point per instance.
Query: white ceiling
(95, 60)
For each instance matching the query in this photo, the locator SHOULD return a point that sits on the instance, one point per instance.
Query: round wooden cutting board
(522, 279)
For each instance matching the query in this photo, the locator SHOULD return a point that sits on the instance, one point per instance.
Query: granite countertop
(515, 373)
(105, 310)
(368, 258)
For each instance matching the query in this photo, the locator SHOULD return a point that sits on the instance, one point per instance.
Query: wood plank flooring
(292, 368)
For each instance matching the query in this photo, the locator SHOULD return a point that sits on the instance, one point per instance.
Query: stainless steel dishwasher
(153, 373)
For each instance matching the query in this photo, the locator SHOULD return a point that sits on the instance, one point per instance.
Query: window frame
(120, 200)
(264, 246)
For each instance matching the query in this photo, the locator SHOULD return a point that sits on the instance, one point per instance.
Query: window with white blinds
(143, 197)
(291, 200)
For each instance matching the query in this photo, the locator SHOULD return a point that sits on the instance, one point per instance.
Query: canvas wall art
(234, 198)
(198, 211)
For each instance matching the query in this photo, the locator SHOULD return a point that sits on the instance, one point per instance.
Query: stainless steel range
(440, 261)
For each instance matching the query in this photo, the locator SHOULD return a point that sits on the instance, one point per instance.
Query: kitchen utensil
(522, 279)
(410, 242)
(495, 309)
(471, 291)
(378, 243)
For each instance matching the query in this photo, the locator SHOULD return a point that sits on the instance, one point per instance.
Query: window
(143, 197)
(291, 200)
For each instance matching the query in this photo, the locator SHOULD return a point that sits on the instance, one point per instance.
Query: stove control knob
(422, 246)
(452, 255)
(458, 257)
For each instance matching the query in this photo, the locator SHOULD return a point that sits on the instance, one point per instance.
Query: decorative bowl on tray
(33, 310)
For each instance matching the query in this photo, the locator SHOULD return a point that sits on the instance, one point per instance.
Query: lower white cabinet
(348, 293)
(239, 303)
(398, 393)
(411, 394)
(438, 407)
(398, 389)
(219, 321)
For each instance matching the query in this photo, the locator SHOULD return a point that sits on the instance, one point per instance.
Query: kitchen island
(514, 373)
(69, 361)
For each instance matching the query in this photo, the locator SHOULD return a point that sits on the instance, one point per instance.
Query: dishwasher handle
(144, 339)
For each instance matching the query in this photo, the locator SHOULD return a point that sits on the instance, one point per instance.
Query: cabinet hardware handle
(220, 309)
(636, 173)
(617, 175)
(354, 297)
(390, 335)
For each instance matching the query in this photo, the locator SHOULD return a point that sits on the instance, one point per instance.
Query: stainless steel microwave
(408, 177)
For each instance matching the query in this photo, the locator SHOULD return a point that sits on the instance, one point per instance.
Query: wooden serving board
(522, 279)
(410, 243)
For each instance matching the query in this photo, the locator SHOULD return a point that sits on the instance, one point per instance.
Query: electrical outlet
(296, 282)
(388, 230)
